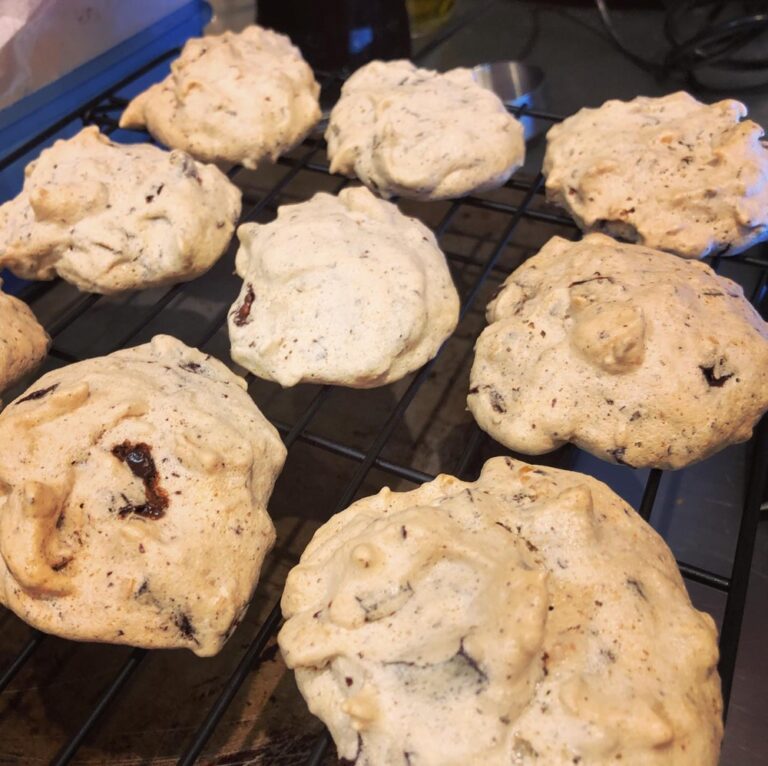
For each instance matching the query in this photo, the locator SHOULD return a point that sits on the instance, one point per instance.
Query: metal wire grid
(102, 111)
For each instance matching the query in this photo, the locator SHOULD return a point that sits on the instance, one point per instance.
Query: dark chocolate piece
(242, 314)
(497, 401)
(472, 662)
(712, 380)
(138, 457)
(39, 394)
(597, 278)
(185, 626)
(618, 455)
(637, 587)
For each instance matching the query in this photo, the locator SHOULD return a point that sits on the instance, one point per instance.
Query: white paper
(42, 40)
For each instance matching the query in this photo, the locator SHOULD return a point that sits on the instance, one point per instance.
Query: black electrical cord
(703, 34)
(643, 63)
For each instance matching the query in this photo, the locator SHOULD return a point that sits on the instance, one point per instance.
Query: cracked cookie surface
(344, 290)
(242, 98)
(112, 217)
(422, 134)
(507, 620)
(133, 492)
(632, 354)
(669, 173)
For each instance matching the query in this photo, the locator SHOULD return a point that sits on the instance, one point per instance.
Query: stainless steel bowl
(517, 85)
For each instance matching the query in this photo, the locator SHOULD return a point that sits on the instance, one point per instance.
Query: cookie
(632, 354)
(23, 342)
(237, 97)
(112, 217)
(342, 290)
(669, 173)
(133, 492)
(528, 617)
(421, 134)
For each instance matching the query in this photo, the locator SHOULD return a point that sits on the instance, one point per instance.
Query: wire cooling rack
(485, 237)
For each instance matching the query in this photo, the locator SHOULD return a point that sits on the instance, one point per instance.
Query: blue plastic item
(37, 112)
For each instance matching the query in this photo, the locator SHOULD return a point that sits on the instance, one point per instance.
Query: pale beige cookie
(23, 342)
(530, 617)
(237, 97)
(111, 217)
(634, 355)
(421, 134)
(133, 492)
(670, 173)
(343, 290)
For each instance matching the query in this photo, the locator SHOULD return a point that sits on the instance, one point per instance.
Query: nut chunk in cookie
(523, 618)
(422, 134)
(670, 173)
(344, 290)
(23, 341)
(241, 98)
(112, 217)
(632, 354)
(133, 493)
